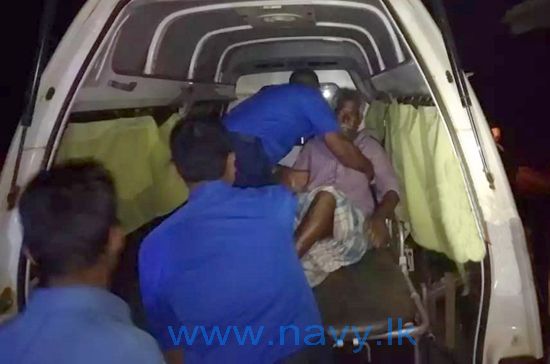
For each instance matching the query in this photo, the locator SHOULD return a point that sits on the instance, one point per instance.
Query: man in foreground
(70, 231)
(224, 262)
(359, 220)
(265, 127)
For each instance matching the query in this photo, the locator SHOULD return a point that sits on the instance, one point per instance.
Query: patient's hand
(377, 232)
(294, 179)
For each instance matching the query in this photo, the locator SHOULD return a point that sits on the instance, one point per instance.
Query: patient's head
(348, 106)
(306, 77)
(202, 151)
(70, 227)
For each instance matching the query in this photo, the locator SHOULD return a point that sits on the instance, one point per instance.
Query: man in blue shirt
(265, 127)
(224, 266)
(70, 231)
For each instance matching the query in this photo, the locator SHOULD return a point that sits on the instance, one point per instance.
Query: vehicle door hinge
(13, 194)
(459, 77)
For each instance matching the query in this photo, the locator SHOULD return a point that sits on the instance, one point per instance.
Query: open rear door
(50, 96)
(487, 343)
(506, 323)
(7, 294)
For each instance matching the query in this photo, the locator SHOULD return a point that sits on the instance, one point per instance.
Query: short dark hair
(200, 149)
(306, 77)
(346, 94)
(67, 213)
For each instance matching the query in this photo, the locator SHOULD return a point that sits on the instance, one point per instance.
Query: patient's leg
(329, 233)
(317, 223)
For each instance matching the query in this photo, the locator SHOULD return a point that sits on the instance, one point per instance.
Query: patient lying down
(341, 214)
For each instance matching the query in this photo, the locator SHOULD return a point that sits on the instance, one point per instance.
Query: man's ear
(117, 241)
(231, 159)
(230, 168)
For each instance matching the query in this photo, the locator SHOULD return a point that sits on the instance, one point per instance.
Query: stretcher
(372, 295)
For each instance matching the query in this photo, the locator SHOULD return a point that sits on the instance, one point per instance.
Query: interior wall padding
(434, 198)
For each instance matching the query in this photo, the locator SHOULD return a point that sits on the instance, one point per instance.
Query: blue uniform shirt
(226, 261)
(77, 324)
(280, 115)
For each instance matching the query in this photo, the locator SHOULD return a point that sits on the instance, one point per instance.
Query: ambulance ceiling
(202, 40)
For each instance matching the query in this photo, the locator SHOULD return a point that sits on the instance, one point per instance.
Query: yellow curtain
(375, 119)
(139, 160)
(434, 197)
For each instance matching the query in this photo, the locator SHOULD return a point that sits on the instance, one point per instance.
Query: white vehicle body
(510, 310)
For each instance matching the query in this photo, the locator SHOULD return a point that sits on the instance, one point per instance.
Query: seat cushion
(365, 295)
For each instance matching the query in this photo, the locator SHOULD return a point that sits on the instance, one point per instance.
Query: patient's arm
(387, 192)
(297, 177)
(348, 154)
(376, 228)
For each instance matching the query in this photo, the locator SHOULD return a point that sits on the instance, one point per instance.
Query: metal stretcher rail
(417, 331)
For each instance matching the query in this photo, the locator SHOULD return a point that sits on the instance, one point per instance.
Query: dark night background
(511, 79)
(512, 73)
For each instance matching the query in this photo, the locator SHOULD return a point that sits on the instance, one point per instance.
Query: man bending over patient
(265, 127)
(341, 236)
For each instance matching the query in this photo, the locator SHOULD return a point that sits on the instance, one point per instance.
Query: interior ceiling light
(280, 18)
(327, 94)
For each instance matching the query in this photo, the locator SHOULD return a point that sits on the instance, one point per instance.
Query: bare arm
(387, 206)
(295, 179)
(348, 154)
(376, 226)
